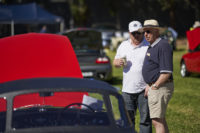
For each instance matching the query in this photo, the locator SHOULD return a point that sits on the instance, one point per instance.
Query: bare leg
(160, 125)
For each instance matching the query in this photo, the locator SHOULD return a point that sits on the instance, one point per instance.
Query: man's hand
(118, 62)
(146, 91)
(161, 80)
(154, 87)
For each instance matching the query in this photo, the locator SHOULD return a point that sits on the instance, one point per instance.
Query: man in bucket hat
(157, 72)
(130, 55)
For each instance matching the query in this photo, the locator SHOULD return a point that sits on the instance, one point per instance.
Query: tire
(184, 72)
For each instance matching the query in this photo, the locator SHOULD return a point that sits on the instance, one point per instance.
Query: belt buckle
(150, 84)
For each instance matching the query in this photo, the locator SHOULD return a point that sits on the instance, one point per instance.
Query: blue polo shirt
(158, 59)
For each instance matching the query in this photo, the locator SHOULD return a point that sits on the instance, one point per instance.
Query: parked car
(42, 90)
(92, 59)
(190, 62)
(108, 31)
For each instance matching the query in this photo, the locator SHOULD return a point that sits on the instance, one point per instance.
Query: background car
(190, 62)
(108, 31)
(92, 59)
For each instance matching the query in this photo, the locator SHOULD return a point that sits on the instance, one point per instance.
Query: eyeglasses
(148, 31)
(136, 33)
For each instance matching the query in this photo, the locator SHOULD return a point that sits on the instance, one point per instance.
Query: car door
(194, 60)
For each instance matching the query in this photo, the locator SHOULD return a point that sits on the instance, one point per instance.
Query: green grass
(183, 114)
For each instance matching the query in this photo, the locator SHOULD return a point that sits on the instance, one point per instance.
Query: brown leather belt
(169, 80)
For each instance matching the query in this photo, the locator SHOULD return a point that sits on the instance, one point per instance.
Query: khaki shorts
(158, 100)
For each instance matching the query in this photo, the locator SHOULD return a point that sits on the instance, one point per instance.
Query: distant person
(44, 29)
(195, 25)
(130, 55)
(157, 72)
(174, 33)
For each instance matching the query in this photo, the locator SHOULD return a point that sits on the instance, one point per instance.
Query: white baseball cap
(134, 26)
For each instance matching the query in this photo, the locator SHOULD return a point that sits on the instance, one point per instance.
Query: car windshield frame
(31, 88)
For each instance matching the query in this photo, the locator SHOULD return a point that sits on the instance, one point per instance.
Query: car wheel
(184, 72)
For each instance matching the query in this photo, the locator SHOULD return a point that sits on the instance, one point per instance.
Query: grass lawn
(183, 114)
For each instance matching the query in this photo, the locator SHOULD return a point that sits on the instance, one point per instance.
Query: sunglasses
(136, 33)
(147, 31)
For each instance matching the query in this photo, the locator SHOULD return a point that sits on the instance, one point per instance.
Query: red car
(42, 90)
(190, 62)
(38, 56)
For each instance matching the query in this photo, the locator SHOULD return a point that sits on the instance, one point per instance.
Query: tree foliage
(195, 4)
(79, 11)
(167, 12)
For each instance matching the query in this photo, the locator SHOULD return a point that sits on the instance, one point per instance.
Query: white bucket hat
(134, 26)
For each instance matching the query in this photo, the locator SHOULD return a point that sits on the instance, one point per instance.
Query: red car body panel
(192, 59)
(36, 55)
(193, 37)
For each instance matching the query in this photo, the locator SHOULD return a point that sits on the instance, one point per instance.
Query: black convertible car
(101, 110)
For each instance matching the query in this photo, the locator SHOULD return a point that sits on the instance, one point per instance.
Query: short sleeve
(166, 58)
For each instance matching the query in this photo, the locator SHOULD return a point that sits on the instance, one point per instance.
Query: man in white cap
(157, 72)
(130, 55)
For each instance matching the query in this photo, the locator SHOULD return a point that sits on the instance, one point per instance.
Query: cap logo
(135, 25)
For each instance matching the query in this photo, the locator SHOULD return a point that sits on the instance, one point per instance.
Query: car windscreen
(85, 41)
(63, 109)
(59, 109)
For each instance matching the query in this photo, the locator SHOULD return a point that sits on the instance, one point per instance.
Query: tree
(114, 9)
(195, 4)
(80, 12)
(171, 6)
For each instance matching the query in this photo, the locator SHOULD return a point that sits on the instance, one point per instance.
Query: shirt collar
(155, 42)
(136, 46)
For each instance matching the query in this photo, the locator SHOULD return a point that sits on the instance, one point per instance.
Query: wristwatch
(154, 85)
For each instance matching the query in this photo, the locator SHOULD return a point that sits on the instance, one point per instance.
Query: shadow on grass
(115, 81)
(180, 50)
(194, 75)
